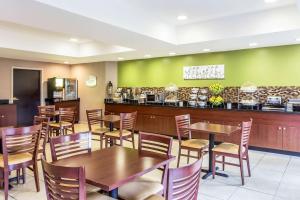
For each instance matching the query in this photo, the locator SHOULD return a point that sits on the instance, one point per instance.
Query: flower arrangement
(216, 89)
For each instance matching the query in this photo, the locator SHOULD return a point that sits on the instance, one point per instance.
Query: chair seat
(116, 133)
(57, 124)
(99, 130)
(155, 197)
(227, 148)
(195, 143)
(16, 159)
(97, 196)
(140, 189)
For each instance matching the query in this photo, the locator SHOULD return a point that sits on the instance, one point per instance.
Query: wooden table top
(213, 128)
(112, 167)
(110, 118)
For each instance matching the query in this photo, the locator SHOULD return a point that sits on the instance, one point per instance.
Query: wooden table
(212, 130)
(111, 168)
(111, 119)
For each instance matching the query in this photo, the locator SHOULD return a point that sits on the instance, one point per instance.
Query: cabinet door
(8, 116)
(148, 123)
(270, 136)
(291, 139)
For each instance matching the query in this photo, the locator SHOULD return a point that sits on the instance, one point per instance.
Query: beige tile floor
(274, 177)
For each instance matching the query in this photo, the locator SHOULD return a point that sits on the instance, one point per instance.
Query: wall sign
(204, 72)
(91, 81)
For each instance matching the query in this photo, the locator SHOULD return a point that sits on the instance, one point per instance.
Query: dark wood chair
(66, 183)
(47, 111)
(183, 183)
(185, 139)
(44, 121)
(239, 151)
(96, 126)
(20, 150)
(66, 122)
(70, 145)
(126, 131)
(143, 187)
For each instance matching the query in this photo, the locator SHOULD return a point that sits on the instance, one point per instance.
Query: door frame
(42, 101)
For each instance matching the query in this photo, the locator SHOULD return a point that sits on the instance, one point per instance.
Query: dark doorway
(27, 89)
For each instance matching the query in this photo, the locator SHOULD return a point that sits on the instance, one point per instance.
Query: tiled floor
(274, 177)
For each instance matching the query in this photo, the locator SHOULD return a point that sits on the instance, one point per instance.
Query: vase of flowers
(216, 99)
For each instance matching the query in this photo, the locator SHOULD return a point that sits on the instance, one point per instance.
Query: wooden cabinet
(8, 115)
(280, 131)
(66, 104)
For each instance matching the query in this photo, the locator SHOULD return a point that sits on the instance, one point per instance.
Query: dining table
(212, 129)
(111, 119)
(113, 167)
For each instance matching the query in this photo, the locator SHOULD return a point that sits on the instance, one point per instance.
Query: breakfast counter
(271, 129)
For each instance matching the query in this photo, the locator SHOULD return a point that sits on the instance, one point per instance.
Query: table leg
(114, 193)
(111, 128)
(210, 154)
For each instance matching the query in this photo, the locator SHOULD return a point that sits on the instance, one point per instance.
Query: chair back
(20, 140)
(70, 145)
(128, 121)
(155, 143)
(183, 183)
(67, 115)
(183, 121)
(46, 111)
(93, 117)
(44, 121)
(64, 183)
(245, 135)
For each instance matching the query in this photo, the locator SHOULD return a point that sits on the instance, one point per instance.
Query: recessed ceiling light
(73, 39)
(182, 17)
(206, 50)
(120, 58)
(270, 1)
(147, 56)
(172, 53)
(66, 62)
(253, 44)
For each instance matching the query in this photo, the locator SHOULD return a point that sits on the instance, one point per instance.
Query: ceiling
(81, 31)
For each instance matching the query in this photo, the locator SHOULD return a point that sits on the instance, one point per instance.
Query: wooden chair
(47, 111)
(96, 126)
(70, 145)
(66, 183)
(183, 183)
(143, 187)
(44, 121)
(235, 151)
(20, 149)
(66, 121)
(126, 131)
(185, 139)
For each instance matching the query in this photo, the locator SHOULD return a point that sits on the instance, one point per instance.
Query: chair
(141, 188)
(44, 121)
(66, 183)
(66, 121)
(189, 144)
(127, 127)
(20, 149)
(96, 126)
(235, 151)
(70, 145)
(47, 111)
(183, 183)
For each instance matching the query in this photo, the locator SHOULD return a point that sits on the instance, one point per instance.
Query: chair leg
(179, 155)
(73, 129)
(188, 157)
(6, 184)
(213, 165)
(18, 176)
(242, 170)
(101, 141)
(223, 163)
(121, 142)
(24, 175)
(36, 176)
(248, 165)
(106, 142)
(132, 137)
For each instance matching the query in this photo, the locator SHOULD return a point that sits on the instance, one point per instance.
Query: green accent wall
(271, 66)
